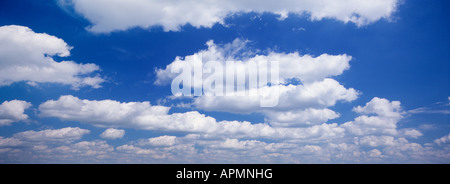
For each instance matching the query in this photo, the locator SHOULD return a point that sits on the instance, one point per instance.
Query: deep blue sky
(406, 59)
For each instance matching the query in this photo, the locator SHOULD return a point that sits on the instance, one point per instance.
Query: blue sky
(390, 105)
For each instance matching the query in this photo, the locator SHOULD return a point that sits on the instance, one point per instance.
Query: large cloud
(27, 56)
(143, 115)
(319, 94)
(304, 86)
(305, 68)
(13, 111)
(111, 15)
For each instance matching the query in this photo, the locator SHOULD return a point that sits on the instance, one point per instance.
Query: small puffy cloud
(374, 153)
(236, 144)
(381, 107)
(375, 141)
(387, 115)
(134, 150)
(112, 133)
(162, 141)
(443, 140)
(107, 15)
(92, 147)
(13, 111)
(68, 134)
(27, 56)
(412, 133)
(80, 152)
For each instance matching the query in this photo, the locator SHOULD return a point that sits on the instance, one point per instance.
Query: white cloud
(7, 142)
(443, 140)
(305, 68)
(92, 147)
(110, 113)
(435, 108)
(112, 15)
(162, 141)
(296, 118)
(81, 152)
(13, 111)
(195, 148)
(375, 141)
(27, 56)
(236, 144)
(142, 115)
(112, 133)
(318, 94)
(315, 91)
(426, 110)
(375, 153)
(381, 107)
(387, 115)
(134, 150)
(225, 142)
(68, 134)
(413, 133)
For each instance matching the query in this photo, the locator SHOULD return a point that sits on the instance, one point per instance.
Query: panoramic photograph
(224, 82)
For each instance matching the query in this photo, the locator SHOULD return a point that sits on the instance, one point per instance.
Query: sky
(89, 81)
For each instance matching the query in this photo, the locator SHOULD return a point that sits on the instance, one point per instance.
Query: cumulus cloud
(143, 115)
(303, 104)
(320, 94)
(375, 141)
(10, 142)
(27, 56)
(80, 152)
(412, 133)
(162, 141)
(443, 140)
(107, 15)
(381, 107)
(68, 134)
(315, 89)
(236, 144)
(305, 68)
(135, 150)
(196, 148)
(13, 111)
(222, 141)
(112, 133)
(297, 118)
(386, 115)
